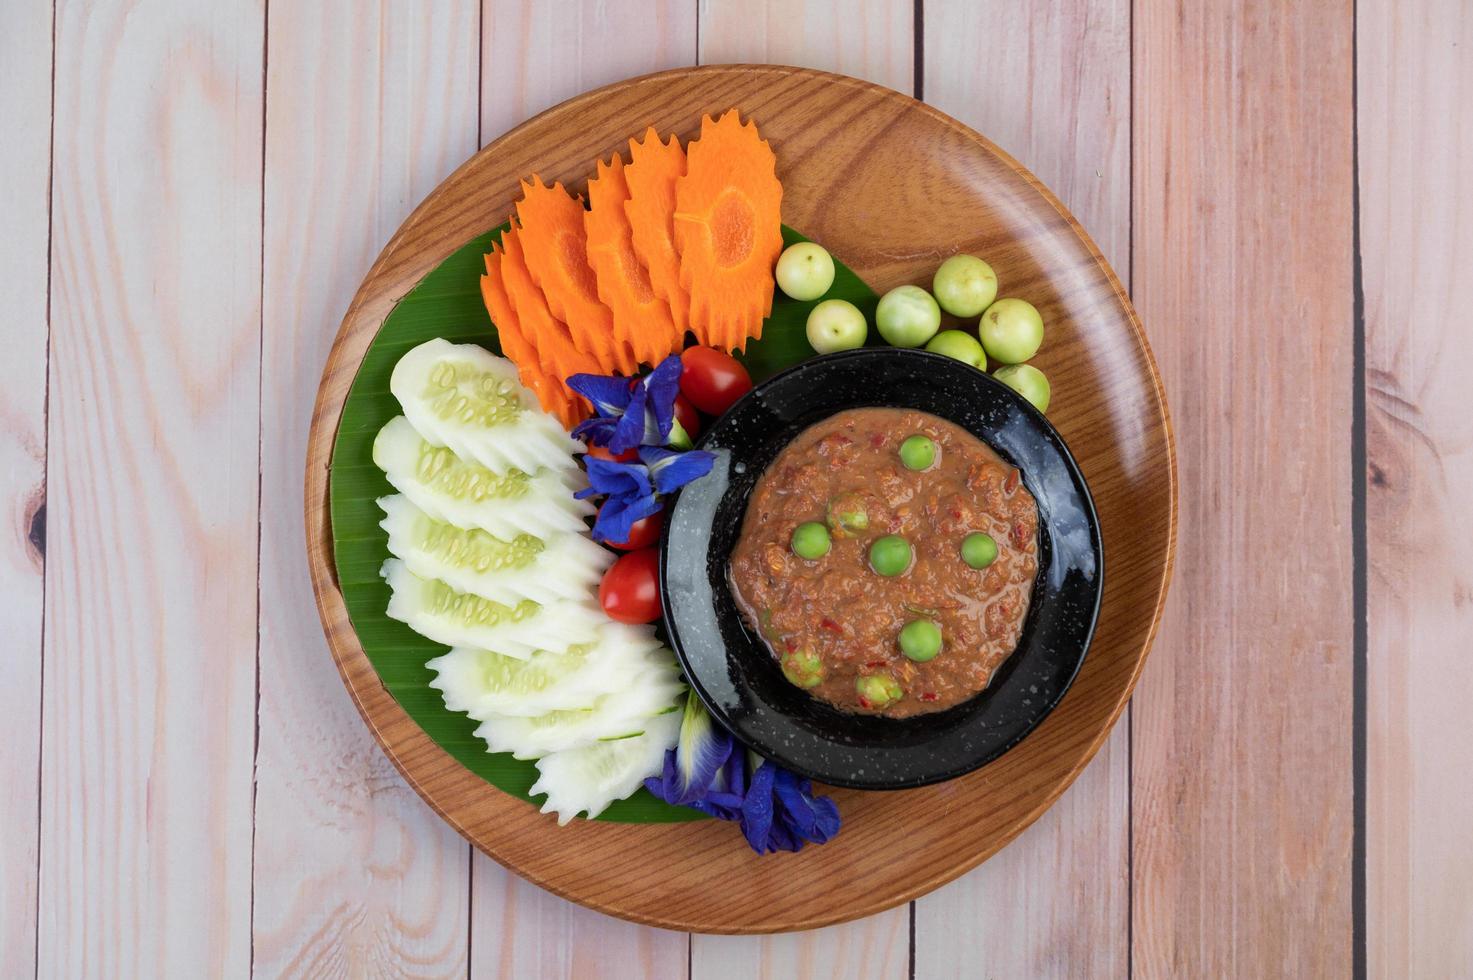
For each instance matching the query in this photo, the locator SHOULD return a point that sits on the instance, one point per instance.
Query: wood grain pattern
(25, 169)
(871, 948)
(1416, 155)
(1053, 89)
(353, 874)
(151, 582)
(822, 126)
(534, 56)
(1242, 196)
(518, 930)
(1243, 256)
(873, 40)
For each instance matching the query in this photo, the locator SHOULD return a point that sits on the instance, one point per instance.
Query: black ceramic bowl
(731, 669)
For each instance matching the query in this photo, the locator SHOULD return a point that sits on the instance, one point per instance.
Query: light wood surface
(519, 930)
(350, 871)
(535, 55)
(1241, 735)
(1054, 91)
(152, 468)
(1416, 251)
(869, 39)
(131, 78)
(872, 948)
(25, 169)
(832, 133)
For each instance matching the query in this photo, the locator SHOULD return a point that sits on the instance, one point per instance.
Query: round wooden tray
(891, 186)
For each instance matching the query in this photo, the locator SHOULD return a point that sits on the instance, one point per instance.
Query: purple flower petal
(710, 772)
(826, 826)
(782, 838)
(630, 430)
(664, 785)
(720, 810)
(595, 431)
(631, 413)
(730, 802)
(662, 385)
(610, 477)
(672, 470)
(734, 774)
(618, 514)
(630, 496)
(757, 808)
(814, 819)
(609, 396)
(703, 749)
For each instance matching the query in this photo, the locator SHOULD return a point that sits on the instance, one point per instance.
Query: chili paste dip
(887, 558)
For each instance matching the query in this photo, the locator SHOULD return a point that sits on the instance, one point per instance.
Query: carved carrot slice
(651, 175)
(728, 231)
(641, 319)
(554, 243)
(554, 396)
(555, 350)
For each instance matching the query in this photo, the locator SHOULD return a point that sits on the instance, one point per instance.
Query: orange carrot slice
(728, 231)
(555, 245)
(641, 319)
(554, 397)
(556, 352)
(651, 175)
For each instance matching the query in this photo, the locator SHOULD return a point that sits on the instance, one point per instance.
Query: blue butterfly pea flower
(670, 470)
(630, 413)
(758, 808)
(633, 489)
(630, 498)
(814, 818)
(710, 772)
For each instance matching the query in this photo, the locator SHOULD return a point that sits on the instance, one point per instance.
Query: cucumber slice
(504, 570)
(616, 715)
(467, 494)
(481, 683)
(467, 399)
(445, 615)
(590, 778)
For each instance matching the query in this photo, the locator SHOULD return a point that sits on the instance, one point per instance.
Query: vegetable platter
(891, 188)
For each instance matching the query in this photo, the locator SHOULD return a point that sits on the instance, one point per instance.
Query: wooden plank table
(191, 193)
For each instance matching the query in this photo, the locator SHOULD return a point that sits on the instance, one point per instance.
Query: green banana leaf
(447, 303)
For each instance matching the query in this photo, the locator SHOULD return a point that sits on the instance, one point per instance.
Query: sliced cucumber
(616, 715)
(481, 683)
(588, 779)
(467, 494)
(445, 615)
(467, 399)
(505, 570)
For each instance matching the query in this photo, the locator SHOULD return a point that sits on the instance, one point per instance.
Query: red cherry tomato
(686, 415)
(644, 533)
(602, 452)
(712, 379)
(630, 591)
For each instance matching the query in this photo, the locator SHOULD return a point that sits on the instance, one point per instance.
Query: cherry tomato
(630, 590)
(686, 415)
(712, 379)
(644, 533)
(602, 452)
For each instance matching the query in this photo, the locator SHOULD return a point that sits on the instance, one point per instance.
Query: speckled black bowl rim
(943, 723)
